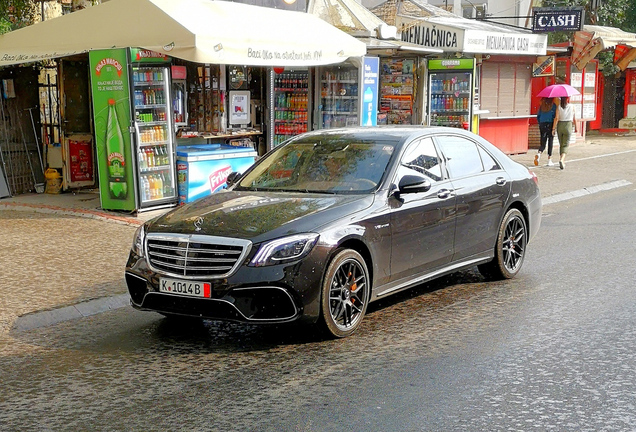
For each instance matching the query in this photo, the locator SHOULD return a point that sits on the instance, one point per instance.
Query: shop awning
(201, 31)
(594, 39)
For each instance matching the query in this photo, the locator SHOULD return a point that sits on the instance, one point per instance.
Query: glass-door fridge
(154, 135)
(290, 102)
(450, 90)
(134, 133)
(339, 104)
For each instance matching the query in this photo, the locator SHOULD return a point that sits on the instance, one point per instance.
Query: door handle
(444, 193)
(500, 181)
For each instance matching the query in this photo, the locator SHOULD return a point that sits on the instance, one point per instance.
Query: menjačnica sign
(547, 19)
(431, 35)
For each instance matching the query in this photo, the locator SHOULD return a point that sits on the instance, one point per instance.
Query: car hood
(258, 216)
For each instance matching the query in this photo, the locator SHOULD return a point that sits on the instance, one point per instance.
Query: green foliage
(17, 13)
(5, 26)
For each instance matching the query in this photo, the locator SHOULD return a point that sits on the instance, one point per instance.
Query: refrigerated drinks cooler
(154, 136)
(291, 99)
(134, 136)
(450, 90)
(339, 103)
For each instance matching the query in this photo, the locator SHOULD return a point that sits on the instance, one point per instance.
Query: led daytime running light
(266, 251)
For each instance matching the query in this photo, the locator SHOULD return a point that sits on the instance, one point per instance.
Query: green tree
(15, 14)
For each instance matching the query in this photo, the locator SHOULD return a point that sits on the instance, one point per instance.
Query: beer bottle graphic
(117, 185)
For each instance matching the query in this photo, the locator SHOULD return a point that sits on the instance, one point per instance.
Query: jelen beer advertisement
(111, 111)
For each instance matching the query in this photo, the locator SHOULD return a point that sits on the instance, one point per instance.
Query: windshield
(325, 164)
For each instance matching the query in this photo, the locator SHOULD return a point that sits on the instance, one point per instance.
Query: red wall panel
(509, 135)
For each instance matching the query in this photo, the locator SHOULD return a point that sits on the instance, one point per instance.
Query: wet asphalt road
(549, 350)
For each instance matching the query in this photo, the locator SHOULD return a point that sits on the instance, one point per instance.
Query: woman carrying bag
(545, 118)
(564, 124)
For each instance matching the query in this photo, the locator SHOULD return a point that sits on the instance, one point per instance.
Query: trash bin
(53, 181)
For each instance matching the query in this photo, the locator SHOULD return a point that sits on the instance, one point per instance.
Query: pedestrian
(545, 117)
(564, 124)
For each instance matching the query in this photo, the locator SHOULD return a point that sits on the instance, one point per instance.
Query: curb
(80, 310)
(91, 214)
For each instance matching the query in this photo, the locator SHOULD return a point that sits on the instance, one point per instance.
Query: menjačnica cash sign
(547, 19)
(456, 39)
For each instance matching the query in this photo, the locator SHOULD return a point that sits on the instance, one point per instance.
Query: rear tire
(510, 249)
(345, 293)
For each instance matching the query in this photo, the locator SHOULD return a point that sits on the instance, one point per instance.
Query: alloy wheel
(348, 294)
(514, 244)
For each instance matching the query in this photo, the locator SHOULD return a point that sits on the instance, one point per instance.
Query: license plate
(185, 287)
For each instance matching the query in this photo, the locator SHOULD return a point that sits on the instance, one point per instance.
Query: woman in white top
(564, 124)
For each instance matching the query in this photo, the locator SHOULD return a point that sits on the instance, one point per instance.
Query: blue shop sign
(370, 76)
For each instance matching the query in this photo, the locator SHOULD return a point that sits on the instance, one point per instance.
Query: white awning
(201, 31)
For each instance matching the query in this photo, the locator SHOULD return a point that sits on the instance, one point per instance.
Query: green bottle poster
(111, 115)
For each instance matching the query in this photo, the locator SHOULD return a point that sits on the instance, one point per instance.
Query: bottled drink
(150, 158)
(159, 186)
(146, 188)
(143, 164)
(162, 155)
(152, 186)
(158, 159)
(167, 187)
(116, 161)
(166, 156)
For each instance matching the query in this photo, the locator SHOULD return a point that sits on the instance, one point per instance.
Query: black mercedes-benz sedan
(332, 220)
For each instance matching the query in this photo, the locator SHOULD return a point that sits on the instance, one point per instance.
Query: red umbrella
(558, 90)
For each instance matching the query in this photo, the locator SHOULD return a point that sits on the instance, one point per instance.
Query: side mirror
(233, 178)
(413, 184)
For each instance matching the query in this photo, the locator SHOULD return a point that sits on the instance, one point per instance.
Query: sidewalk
(589, 164)
(82, 203)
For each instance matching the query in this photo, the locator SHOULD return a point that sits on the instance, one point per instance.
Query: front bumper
(273, 294)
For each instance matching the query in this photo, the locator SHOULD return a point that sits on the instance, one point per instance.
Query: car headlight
(284, 250)
(138, 240)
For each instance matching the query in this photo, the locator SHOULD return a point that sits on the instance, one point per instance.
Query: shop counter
(203, 169)
(239, 138)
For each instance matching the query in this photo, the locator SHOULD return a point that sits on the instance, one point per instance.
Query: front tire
(510, 249)
(346, 291)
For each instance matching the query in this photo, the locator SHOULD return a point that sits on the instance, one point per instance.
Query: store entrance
(77, 132)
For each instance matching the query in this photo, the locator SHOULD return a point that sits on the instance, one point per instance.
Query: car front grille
(195, 256)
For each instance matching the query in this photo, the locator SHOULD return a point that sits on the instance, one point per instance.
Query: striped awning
(594, 39)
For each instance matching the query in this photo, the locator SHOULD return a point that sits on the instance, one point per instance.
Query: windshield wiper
(321, 192)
